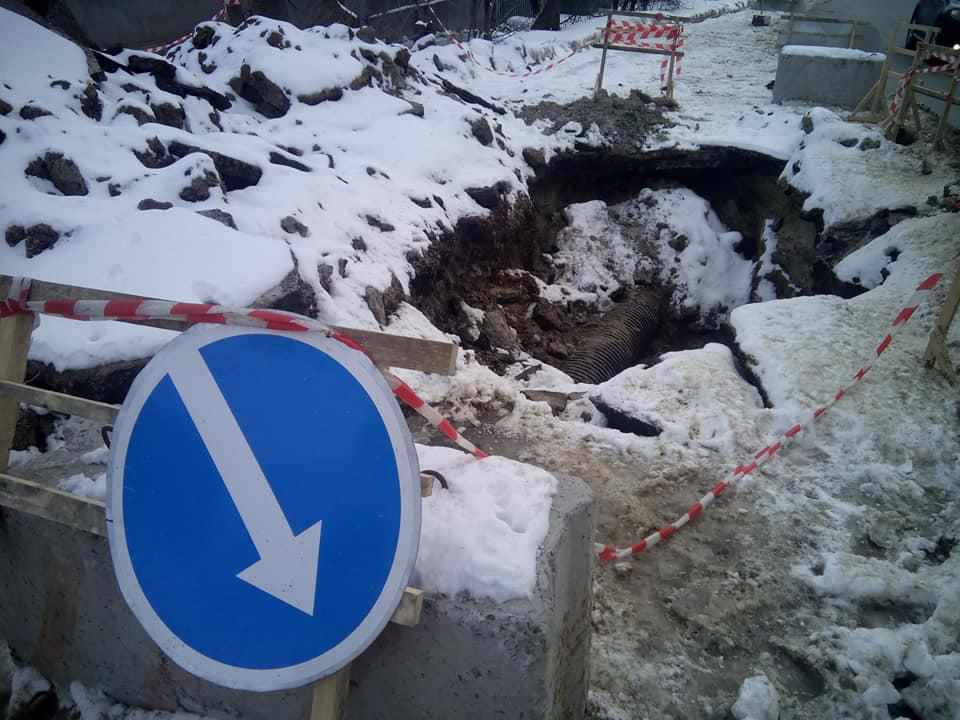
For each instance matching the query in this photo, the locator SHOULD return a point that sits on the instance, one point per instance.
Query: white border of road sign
(263, 680)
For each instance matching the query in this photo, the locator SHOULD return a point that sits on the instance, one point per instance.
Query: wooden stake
(673, 60)
(603, 57)
(898, 117)
(330, 696)
(936, 355)
(14, 344)
(867, 99)
(945, 117)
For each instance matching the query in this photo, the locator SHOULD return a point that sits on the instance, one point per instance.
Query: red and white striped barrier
(221, 14)
(627, 35)
(582, 45)
(952, 63)
(195, 313)
(607, 553)
(625, 32)
(134, 310)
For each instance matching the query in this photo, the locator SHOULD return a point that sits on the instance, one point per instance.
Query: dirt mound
(625, 122)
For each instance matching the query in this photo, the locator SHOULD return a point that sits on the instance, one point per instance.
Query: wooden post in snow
(603, 57)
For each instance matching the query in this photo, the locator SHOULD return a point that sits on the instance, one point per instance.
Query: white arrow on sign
(287, 568)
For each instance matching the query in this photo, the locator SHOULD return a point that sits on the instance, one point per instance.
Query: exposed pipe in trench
(619, 340)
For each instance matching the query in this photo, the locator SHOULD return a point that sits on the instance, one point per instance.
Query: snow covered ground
(827, 580)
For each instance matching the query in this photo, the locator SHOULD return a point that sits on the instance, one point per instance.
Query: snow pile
(681, 395)
(483, 535)
(594, 260)
(92, 704)
(835, 53)
(697, 252)
(875, 174)
(767, 268)
(868, 266)
(25, 685)
(786, 338)
(85, 486)
(758, 700)
(672, 234)
(220, 176)
(913, 666)
(69, 344)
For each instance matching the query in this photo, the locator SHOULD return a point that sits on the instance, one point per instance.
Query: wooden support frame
(892, 125)
(673, 52)
(874, 101)
(89, 515)
(794, 18)
(936, 355)
(387, 350)
(14, 345)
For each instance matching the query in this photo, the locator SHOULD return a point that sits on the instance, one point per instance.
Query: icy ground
(831, 573)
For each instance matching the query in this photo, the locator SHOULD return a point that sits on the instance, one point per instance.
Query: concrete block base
(833, 77)
(61, 611)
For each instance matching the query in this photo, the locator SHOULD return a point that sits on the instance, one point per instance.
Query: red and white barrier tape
(625, 33)
(221, 14)
(139, 310)
(952, 64)
(582, 45)
(609, 552)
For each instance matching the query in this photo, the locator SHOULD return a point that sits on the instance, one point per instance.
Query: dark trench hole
(499, 265)
(900, 709)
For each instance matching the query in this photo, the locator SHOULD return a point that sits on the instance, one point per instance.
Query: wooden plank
(430, 356)
(948, 101)
(936, 353)
(60, 507)
(14, 344)
(402, 351)
(646, 51)
(330, 696)
(928, 92)
(58, 402)
(89, 515)
(603, 57)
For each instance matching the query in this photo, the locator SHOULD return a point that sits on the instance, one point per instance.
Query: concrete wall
(882, 18)
(62, 612)
(838, 79)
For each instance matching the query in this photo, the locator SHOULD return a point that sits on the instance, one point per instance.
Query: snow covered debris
(758, 700)
(697, 252)
(85, 486)
(200, 197)
(483, 535)
(68, 344)
(92, 704)
(685, 397)
(874, 173)
(831, 52)
(27, 688)
(594, 260)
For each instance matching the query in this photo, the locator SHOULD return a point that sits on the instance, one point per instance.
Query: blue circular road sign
(263, 505)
